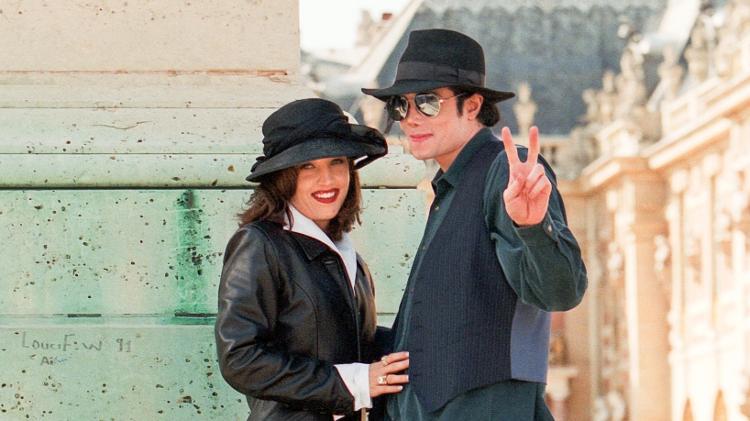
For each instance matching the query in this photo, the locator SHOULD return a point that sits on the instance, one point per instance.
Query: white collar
(344, 248)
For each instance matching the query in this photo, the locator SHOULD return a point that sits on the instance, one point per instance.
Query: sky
(326, 24)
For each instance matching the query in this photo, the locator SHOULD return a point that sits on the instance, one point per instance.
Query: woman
(296, 317)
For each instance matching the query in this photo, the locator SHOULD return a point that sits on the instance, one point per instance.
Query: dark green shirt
(539, 261)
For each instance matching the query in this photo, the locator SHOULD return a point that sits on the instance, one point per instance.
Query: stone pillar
(674, 213)
(570, 379)
(639, 221)
(122, 124)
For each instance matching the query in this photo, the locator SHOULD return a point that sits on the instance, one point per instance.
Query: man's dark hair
(488, 115)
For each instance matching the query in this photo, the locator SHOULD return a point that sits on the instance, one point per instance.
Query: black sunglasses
(428, 104)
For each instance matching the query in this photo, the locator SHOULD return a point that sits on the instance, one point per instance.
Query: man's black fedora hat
(314, 128)
(435, 58)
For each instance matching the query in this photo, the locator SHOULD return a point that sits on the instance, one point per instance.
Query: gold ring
(382, 380)
(384, 360)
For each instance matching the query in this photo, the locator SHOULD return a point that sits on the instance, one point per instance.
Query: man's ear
(472, 105)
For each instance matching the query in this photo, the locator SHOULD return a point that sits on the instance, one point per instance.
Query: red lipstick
(326, 196)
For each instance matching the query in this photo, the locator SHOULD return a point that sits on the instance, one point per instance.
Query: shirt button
(549, 228)
(437, 208)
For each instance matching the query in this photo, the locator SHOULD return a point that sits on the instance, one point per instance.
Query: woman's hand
(383, 377)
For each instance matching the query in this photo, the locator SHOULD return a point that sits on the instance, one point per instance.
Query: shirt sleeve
(356, 377)
(542, 263)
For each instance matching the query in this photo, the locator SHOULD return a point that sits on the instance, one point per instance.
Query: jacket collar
(344, 248)
(312, 247)
(312, 239)
(312, 233)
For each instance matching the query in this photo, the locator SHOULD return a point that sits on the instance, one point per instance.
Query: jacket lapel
(312, 247)
(314, 250)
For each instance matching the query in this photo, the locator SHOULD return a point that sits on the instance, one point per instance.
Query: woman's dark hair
(489, 113)
(270, 202)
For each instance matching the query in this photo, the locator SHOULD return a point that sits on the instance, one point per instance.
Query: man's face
(440, 137)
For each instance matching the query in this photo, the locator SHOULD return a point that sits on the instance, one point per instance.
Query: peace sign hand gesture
(527, 195)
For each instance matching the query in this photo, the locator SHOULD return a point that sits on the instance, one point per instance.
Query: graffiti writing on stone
(62, 347)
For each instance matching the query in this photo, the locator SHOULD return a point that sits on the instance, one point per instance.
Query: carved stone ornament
(725, 54)
(558, 352)
(617, 405)
(609, 346)
(607, 98)
(524, 109)
(662, 253)
(631, 88)
(662, 261)
(693, 257)
(736, 27)
(574, 158)
(741, 14)
(670, 73)
(601, 410)
(697, 52)
(615, 264)
(723, 233)
(739, 202)
(592, 107)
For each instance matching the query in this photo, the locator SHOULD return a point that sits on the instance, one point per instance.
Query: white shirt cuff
(356, 376)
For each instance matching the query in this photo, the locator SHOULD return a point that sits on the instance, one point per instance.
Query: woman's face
(322, 186)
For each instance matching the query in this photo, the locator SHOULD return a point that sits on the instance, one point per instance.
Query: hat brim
(364, 142)
(410, 85)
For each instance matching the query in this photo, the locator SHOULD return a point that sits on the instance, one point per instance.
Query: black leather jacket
(286, 315)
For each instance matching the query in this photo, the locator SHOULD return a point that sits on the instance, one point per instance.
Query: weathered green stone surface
(109, 296)
(116, 252)
(112, 369)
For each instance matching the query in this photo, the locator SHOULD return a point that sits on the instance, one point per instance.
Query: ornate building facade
(666, 201)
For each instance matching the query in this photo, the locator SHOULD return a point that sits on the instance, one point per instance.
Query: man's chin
(420, 155)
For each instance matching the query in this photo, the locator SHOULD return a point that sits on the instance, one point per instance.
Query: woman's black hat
(313, 128)
(436, 58)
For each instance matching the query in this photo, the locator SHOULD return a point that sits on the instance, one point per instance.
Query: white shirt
(356, 376)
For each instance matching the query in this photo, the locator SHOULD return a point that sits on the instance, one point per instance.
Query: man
(496, 255)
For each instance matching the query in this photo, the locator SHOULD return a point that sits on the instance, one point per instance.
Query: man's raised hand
(527, 195)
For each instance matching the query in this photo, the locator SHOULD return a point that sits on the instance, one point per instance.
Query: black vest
(463, 307)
